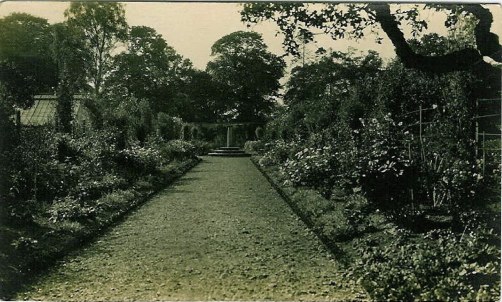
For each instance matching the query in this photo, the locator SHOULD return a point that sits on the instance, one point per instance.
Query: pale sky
(192, 28)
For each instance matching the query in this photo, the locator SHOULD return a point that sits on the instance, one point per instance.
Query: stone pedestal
(229, 136)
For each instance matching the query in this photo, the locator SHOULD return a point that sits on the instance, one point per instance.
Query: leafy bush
(140, 159)
(382, 162)
(280, 127)
(70, 209)
(335, 226)
(336, 220)
(201, 147)
(492, 162)
(325, 161)
(25, 244)
(277, 152)
(114, 201)
(22, 211)
(177, 150)
(311, 167)
(449, 181)
(169, 127)
(254, 147)
(311, 203)
(95, 187)
(37, 173)
(440, 267)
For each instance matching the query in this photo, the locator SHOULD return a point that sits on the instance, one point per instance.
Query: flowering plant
(382, 161)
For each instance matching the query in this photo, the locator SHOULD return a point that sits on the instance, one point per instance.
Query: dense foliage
(249, 74)
(364, 148)
(443, 267)
(24, 59)
(71, 180)
(299, 21)
(404, 140)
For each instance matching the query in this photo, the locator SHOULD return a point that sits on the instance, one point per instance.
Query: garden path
(220, 232)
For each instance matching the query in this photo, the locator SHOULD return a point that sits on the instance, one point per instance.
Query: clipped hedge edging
(63, 243)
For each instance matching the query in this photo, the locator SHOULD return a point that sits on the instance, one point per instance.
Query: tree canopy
(102, 26)
(356, 20)
(204, 99)
(26, 64)
(250, 73)
(149, 69)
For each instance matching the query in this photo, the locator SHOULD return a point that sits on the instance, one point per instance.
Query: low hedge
(32, 248)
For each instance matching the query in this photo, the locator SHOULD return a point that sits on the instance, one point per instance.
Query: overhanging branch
(465, 59)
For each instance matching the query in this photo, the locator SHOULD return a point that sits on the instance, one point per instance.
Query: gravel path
(219, 233)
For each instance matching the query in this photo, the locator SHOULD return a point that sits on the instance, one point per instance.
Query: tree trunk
(460, 60)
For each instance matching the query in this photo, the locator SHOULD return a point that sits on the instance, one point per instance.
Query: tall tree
(149, 69)
(342, 20)
(102, 26)
(323, 91)
(250, 73)
(205, 100)
(26, 66)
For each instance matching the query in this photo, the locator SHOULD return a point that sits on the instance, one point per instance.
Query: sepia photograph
(250, 151)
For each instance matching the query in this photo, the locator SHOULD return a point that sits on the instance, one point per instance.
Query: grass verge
(28, 249)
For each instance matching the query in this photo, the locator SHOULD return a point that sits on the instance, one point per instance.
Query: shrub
(324, 161)
(280, 127)
(448, 181)
(311, 167)
(278, 152)
(441, 266)
(254, 147)
(169, 127)
(177, 150)
(142, 160)
(36, 172)
(201, 147)
(339, 220)
(115, 200)
(70, 209)
(382, 162)
(25, 244)
(492, 162)
(311, 203)
(335, 226)
(22, 211)
(92, 188)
